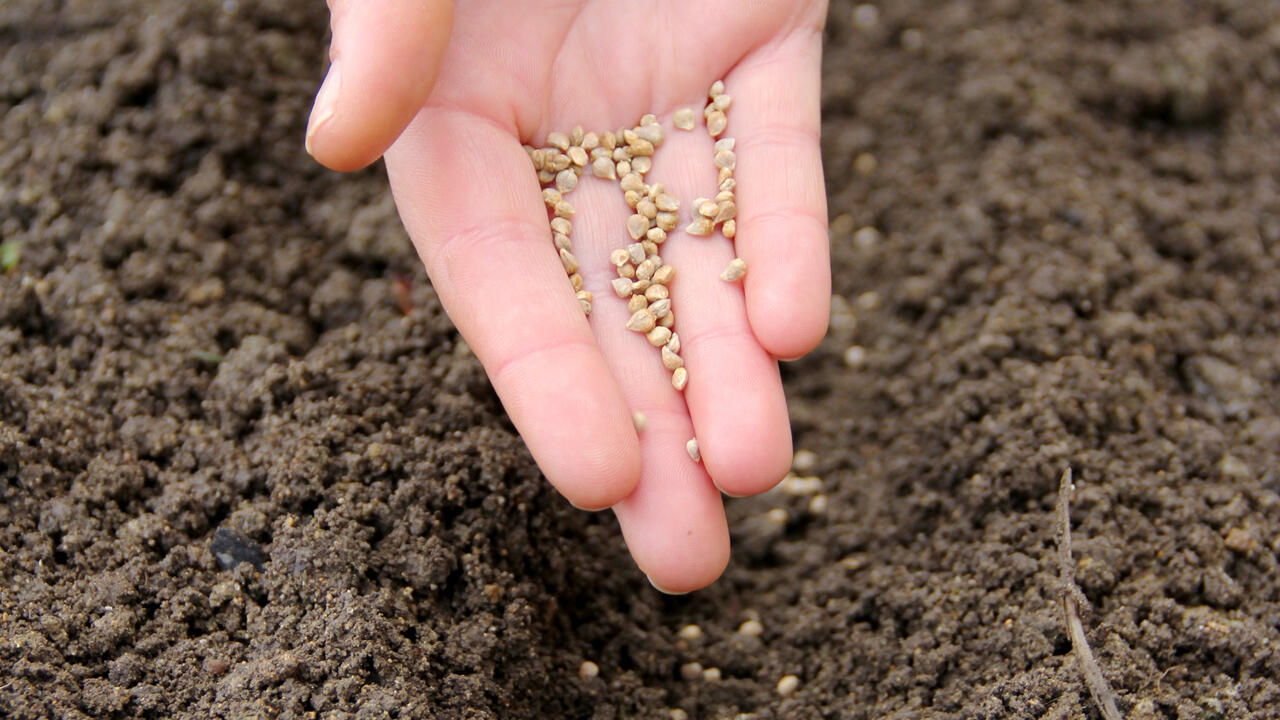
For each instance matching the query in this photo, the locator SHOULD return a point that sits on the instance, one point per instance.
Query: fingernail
(326, 102)
(663, 590)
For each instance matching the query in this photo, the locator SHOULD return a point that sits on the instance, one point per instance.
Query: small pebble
(690, 632)
(804, 461)
(588, 670)
(912, 39)
(751, 628)
(788, 684)
(865, 164)
(691, 671)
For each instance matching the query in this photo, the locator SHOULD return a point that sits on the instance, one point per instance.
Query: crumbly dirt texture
(1074, 262)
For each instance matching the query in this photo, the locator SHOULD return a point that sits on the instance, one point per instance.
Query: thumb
(385, 56)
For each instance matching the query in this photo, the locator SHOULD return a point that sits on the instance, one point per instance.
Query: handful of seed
(626, 156)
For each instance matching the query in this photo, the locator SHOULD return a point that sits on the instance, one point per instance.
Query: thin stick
(1071, 601)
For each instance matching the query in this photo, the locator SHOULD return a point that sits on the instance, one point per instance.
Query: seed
(586, 307)
(722, 102)
(566, 181)
(561, 225)
(734, 271)
(558, 161)
(622, 287)
(632, 182)
(562, 241)
(658, 336)
(647, 208)
(660, 307)
(729, 229)
(639, 287)
(564, 209)
(684, 118)
(623, 168)
(671, 360)
(639, 420)
(674, 343)
(575, 279)
(664, 275)
(692, 446)
(723, 195)
(645, 270)
(576, 135)
(637, 303)
(637, 225)
(569, 261)
(725, 144)
(558, 140)
(538, 156)
(641, 321)
(656, 292)
(633, 198)
(578, 156)
(678, 714)
(551, 196)
(711, 674)
(725, 174)
(690, 632)
(588, 670)
(707, 209)
(668, 321)
(717, 88)
(666, 203)
(651, 132)
(603, 168)
(608, 141)
(716, 123)
(640, 148)
(788, 685)
(627, 270)
(667, 221)
(726, 211)
(691, 671)
(642, 165)
(751, 628)
(619, 257)
(656, 235)
(655, 190)
(726, 159)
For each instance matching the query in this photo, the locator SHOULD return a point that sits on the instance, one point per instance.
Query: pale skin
(448, 94)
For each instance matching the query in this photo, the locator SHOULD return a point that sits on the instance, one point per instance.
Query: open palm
(515, 70)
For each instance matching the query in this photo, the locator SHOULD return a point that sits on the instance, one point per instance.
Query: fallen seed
(788, 684)
(701, 227)
(588, 670)
(660, 307)
(642, 164)
(637, 303)
(569, 261)
(564, 209)
(622, 287)
(631, 182)
(722, 102)
(639, 420)
(558, 161)
(561, 225)
(726, 159)
(562, 241)
(656, 292)
(656, 235)
(708, 209)
(664, 275)
(726, 211)
(691, 671)
(734, 271)
(690, 632)
(684, 118)
(679, 379)
(641, 321)
(619, 257)
(729, 229)
(674, 342)
(671, 360)
(566, 181)
(651, 132)
(576, 135)
(637, 226)
(716, 123)
(647, 208)
(717, 88)
(667, 203)
(658, 336)
(711, 674)
(636, 251)
(603, 168)
(751, 628)
(558, 140)
(692, 446)
(667, 221)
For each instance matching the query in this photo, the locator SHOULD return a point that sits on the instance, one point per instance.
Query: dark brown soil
(203, 355)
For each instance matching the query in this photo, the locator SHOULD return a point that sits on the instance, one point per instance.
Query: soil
(217, 357)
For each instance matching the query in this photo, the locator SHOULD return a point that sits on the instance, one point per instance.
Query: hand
(509, 72)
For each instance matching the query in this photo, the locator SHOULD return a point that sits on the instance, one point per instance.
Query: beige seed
(633, 198)
(725, 174)
(651, 132)
(562, 241)
(637, 303)
(575, 279)
(647, 208)
(538, 156)
(723, 196)
(667, 203)
(671, 360)
(726, 159)
(564, 209)
(708, 209)
(627, 270)
(637, 226)
(751, 628)
(645, 270)
(788, 684)
(716, 123)
(729, 229)
(656, 235)
(636, 250)
(566, 181)
(655, 190)
(641, 321)
(660, 307)
(588, 670)
(692, 446)
(569, 261)
(558, 140)
(658, 336)
(664, 275)
(690, 632)
(639, 420)
(639, 287)
(725, 144)
(620, 153)
(622, 287)
(717, 88)
(711, 674)
(619, 257)
(648, 119)
(603, 168)
(586, 307)
(667, 221)
(668, 321)
(650, 247)
(623, 168)
(642, 165)
(656, 292)
(608, 141)
(545, 177)
(590, 141)
(726, 212)
(558, 161)
(691, 671)
(680, 379)
(551, 196)
(600, 153)
(578, 156)
(632, 182)
(728, 184)
(640, 148)
(734, 271)
(684, 118)
(561, 225)
(722, 102)
(674, 343)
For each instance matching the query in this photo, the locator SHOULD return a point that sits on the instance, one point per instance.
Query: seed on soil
(569, 261)
(788, 684)
(668, 321)
(855, 356)
(622, 287)
(575, 280)
(642, 320)
(678, 714)
(637, 303)
(557, 161)
(684, 118)
(636, 252)
(711, 674)
(658, 336)
(671, 360)
(603, 168)
(729, 229)
(651, 132)
(690, 632)
(716, 123)
(588, 670)
(692, 446)
(679, 379)
(722, 102)
(667, 221)
(804, 461)
(566, 181)
(637, 226)
(578, 156)
(734, 271)
(558, 140)
(691, 671)
(700, 227)
(707, 208)
(751, 628)
(818, 504)
(664, 275)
